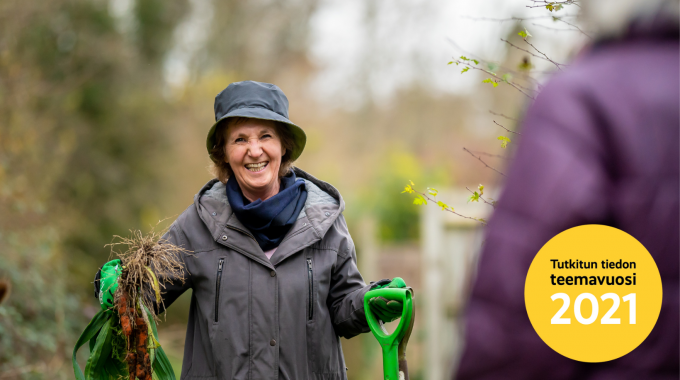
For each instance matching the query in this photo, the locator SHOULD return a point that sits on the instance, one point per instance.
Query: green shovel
(393, 345)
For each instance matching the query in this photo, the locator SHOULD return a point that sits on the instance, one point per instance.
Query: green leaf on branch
(444, 206)
(492, 67)
(550, 7)
(524, 34)
(504, 141)
(482, 220)
(475, 61)
(489, 80)
(432, 191)
(474, 197)
(465, 69)
(558, 7)
(408, 189)
(481, 189)
(452, 62)
(464, 58)
(507, 77)
(420, 200)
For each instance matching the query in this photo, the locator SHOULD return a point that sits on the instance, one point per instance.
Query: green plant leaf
(524, 34)
(161, 364)
(443, 205)
(91, 332)
(507, 77)
(549, 7)
(464, 58)
(465, 69)
(475, 61)
(100, 352)
(474, 197)
(489, 80)
(481, 189)
(504, 141)
(432, 191)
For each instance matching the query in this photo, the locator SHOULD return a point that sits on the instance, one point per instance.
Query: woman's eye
(266, 135)
(240, 139)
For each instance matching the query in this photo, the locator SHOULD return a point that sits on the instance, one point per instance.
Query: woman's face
(254, 151)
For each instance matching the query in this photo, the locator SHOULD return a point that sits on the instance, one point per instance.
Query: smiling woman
(256, 151)
(272, 266)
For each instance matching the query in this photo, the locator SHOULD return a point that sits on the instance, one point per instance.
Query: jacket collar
(323, 206)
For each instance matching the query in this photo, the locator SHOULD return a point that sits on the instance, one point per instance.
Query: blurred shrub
(397, 220)
(40, 320)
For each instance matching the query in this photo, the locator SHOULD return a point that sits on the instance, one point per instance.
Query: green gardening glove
(108, 282)
(387, 310)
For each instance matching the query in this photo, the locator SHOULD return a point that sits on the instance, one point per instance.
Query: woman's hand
(106, 282)
(387, 310)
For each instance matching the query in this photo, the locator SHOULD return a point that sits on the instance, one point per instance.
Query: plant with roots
(523, 79)
(123, 339)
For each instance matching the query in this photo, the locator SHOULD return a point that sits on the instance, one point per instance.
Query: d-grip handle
(390, 342)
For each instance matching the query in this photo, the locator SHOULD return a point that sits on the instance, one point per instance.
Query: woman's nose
(254, 148)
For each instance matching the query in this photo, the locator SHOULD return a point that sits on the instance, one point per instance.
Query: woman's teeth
(257, 167)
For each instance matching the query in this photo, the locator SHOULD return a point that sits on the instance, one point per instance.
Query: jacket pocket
(310, 284)
(218, 283)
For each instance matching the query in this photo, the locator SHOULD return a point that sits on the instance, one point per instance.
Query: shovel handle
(393, 345)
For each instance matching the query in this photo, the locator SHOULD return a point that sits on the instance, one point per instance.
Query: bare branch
(482, 198)
(544, 56)
(501, 115)
(573, 25)
(555, 29)
(482, 161)
(511, 18)
(517, 133)
(487, 154)
(542, 3)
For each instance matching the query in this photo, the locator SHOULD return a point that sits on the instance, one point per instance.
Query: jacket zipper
(218, 281)
(310, 277)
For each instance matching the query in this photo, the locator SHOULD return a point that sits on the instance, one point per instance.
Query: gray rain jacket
(255, 318)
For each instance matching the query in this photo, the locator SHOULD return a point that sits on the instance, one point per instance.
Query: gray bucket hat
(255, 100)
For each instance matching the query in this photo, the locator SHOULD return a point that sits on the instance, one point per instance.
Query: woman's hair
(222, 170)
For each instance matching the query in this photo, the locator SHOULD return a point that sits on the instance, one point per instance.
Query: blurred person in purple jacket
(600, 145)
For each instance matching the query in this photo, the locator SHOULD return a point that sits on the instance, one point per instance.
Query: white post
(432, 240)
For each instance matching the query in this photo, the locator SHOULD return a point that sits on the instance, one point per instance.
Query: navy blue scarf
(269, 220)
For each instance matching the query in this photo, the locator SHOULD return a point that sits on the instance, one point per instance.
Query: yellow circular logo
(593, 293)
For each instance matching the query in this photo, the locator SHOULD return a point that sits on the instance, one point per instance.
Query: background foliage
(104, 106)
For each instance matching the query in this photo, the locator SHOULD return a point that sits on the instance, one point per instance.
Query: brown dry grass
(149, 263)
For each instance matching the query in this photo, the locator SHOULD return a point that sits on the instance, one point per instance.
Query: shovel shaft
(390, 363)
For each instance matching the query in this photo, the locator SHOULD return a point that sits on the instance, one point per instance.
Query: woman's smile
(256, 168)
